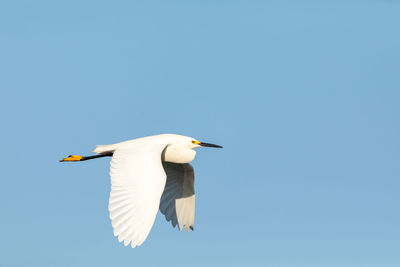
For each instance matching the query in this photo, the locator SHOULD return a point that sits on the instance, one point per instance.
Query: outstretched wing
(137, 182)
(178, 199)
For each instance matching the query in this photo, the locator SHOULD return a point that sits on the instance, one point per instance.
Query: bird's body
(148, 174)
(175, 146)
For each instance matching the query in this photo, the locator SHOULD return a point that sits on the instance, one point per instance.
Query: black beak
(209, 145)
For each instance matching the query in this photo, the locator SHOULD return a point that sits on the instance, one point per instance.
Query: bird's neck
(178, 154)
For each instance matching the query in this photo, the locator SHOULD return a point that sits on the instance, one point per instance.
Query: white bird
(148, 174)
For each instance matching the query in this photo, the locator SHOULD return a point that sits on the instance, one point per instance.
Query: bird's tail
(101, 149)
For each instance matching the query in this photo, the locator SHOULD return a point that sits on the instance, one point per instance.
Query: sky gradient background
(304, 97)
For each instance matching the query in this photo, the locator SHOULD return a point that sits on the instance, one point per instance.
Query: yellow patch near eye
(195, 142)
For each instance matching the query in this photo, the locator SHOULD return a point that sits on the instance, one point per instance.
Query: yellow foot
(72, 158)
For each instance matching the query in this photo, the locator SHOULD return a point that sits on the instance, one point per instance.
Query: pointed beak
(209, 145)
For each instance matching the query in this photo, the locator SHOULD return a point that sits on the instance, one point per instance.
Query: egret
(149, 174)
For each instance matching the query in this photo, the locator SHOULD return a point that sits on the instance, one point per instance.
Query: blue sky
(304, 97)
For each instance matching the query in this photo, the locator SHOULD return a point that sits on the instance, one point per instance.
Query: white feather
(137, 183)
(178, 199)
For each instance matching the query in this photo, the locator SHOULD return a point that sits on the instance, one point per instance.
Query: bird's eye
(195, 142)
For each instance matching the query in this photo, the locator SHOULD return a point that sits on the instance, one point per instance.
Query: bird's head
(181, 149)
(195, 143)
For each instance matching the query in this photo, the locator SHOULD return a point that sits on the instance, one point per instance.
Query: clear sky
(304, 97)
